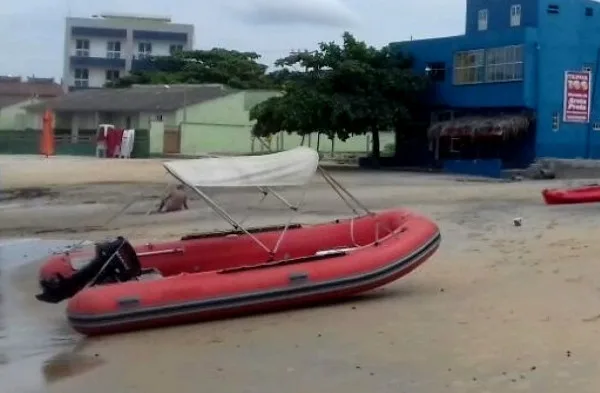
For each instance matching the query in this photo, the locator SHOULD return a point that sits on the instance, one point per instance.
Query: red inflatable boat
(563, 196)
(210, 277)
(116, 287)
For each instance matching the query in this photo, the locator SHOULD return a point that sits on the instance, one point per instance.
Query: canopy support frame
(343, 193)
(350, 200)
(337, 187)
(220, 211)
(289, 222)
(265, 191)
(268, 190)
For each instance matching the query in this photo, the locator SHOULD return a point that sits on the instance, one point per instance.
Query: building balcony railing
(102, 62)
(160, 36)
(80, 31)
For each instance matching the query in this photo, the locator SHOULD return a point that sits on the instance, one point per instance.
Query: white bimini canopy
(288, 168)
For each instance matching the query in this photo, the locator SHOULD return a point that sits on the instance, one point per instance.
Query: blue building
(510, 66)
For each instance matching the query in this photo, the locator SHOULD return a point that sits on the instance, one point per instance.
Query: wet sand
(499, 308)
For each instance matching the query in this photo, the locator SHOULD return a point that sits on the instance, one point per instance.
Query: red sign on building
(576, 102)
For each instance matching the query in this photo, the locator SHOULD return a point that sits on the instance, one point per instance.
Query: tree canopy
(339, 90)
(239, 70)
(342, 90)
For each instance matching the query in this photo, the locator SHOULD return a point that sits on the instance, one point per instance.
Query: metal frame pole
(220, 211)
(337, 187)
(283, 232)
(336, 184)
(269, 190)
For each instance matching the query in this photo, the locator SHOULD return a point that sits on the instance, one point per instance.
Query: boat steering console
(114, 261)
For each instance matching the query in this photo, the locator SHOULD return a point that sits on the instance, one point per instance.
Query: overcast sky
(32, 31)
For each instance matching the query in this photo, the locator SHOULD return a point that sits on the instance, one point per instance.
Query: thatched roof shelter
(476, 126)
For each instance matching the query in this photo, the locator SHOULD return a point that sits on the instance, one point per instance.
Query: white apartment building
(105, 47)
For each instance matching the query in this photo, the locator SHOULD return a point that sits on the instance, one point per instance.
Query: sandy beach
(499, 308)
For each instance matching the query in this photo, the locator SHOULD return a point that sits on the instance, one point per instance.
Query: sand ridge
(39, 171)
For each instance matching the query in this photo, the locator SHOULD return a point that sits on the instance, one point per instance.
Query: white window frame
(507, 60)
(482, 19)
(81, 77)
(112, 75)
(175, 48)
(515, 15)
(144, 49)
(469, 67)
(82, 47)
(113, 51)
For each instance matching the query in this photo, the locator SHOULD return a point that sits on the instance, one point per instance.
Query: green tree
(344, 90)
(304, 107)
(300, 110)
(238, 70)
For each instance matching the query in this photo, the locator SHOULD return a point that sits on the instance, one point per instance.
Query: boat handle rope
(353, 238)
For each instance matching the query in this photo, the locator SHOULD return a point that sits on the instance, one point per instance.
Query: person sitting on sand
(176, 200)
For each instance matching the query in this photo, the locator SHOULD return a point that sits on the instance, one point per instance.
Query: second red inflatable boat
(563, 196)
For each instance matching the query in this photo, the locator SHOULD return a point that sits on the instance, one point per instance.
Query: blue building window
(469, 67)
(482, 20)
(504, 64)
(515, 15)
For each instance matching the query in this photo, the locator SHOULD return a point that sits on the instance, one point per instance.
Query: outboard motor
(114, 261)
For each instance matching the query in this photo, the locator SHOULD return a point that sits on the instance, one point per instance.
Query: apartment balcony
(100, 62)
(160, 36)
(81, 31)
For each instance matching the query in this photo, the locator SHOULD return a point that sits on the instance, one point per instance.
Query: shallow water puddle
(33, 336)
(67, 365)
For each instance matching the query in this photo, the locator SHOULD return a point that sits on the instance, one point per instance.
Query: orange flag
(47, 143)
